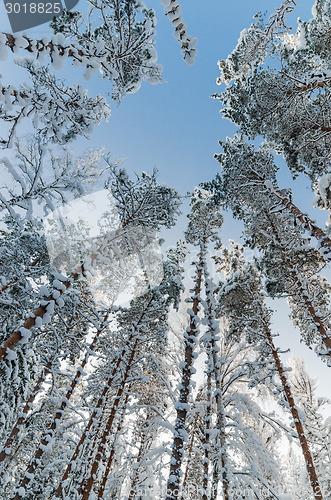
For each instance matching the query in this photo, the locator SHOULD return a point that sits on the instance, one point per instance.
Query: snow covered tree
(287, 104)
(317, 428)
(142, 202)
(204, 217)
(248, 178)
(59, 113)
(289, 262)
(242, 298)
(143, 328)
(116, 39)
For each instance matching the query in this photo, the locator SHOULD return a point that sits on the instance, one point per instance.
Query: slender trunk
(205, 476)
(34, 463)
(307, 223)
(99, 404)
(188, 462)
(102, 445)
(215, 480)
(139, 456)
(92, 445)
(24, 413)
(17, 335)
(190, 337)
(221, 419)
(113, 449)
(91, 421)
(296, 418)
(301, 290)
(41, 310)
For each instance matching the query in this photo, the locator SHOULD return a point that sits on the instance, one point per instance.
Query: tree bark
(88, 455)
(296, 418)
(307, 223)
(300, 290)
(139, 456)
(177, 454)
(188, 462)
(206, 460)
(16, 336)
(99, 404)
(113, 449)
(24, 413)
(220, 420)
(102, 445)
(34, 463)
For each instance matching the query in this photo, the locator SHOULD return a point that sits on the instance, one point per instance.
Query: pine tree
(287, 104)
(289, 262)
(249, 178)
(317, 429)
(204, 217)
(242, 298)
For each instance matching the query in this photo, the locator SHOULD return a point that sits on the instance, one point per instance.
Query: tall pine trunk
(190, 337)
(101, 399)
(102, 445)
(93, 417)
(301, 290)
(49, 434)
(5, 453)
(206, 445)
(220, 420)
(139, 457)
(190, 450)
(295, 415)
(113, 448)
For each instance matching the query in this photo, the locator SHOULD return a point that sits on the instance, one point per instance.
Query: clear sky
(176, 126)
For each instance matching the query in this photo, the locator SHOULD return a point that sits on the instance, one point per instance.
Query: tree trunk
(99, 404)
(206, 460)
(220, 420)
(113, 449)
(188, 462)
(177, 455)
(24, 413)
(301, 291)
(17, 335)
(88, 453)
(34, 463)
(139, 456)
(102, 445)
(296, 418)
(307, 223)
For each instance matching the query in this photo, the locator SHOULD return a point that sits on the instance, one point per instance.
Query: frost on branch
(59, 113)
(253, 42)
(117, 41)
(323, 195)
(28, 186)
(173, 11)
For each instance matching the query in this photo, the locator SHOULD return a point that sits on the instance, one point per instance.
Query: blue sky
(176, 126)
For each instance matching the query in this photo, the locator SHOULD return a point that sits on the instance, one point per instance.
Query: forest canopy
(136, 369)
